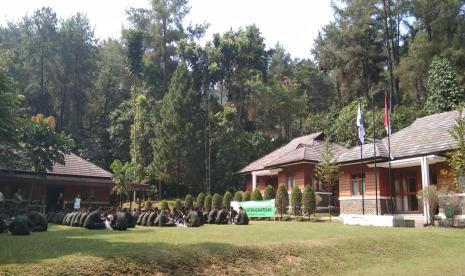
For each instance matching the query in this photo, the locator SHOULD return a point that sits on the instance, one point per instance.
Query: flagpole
(362, 179)
(389, 151)
(374, 153)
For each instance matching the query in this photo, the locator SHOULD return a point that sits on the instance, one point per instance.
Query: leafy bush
(164, 205)
(282, 200)
(201, 200)
(238, 196)
(148, 204)
(208, 203)
(269, 193)
(227, 198)
(178, 204)
(217, 201)
(308, 201)
(189, 201)
(296, 200)
(246, 196)
(256, 195)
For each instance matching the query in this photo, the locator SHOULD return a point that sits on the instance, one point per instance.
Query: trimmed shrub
(189, 201)
(164, 205)
(238, 196)
(246, 196)
(269, 193)
(296, 200)
(217, 201)
(208, 203)
(227, 198)
(148, 204)
(256, 195)
(282, 200)
(178, 204)
(308, 201)
(201, 200)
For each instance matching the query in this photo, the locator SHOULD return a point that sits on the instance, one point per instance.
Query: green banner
(257, 209)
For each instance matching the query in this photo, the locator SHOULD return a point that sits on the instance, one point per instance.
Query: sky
(292, 23)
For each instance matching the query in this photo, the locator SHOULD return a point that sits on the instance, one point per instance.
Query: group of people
(27, 221)
(23, 223)
(193, 217)
(115, 219)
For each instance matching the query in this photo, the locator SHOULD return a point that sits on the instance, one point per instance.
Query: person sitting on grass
(84, 216)
(201, 217)
(39, 222)
(193, 219)
(94, 220)
(146, 216)
(242, 218)
(3, 226)
(119, 221)
(212, 216)
(21, 224)
(232, 216)
(77, 218)
(222, 217)
(131, 219)
(166, 220)
(140, 217)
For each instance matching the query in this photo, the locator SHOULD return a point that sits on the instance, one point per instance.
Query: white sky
(294, 23)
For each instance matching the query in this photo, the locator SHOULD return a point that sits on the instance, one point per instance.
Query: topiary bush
(227, 198)
(296, 201)
(308, 201)
(201, 200)
(189, 201)
(246, 196)
(238, 196)
(208, 203)
(256, 195)
(269, 193)
(178, 204)
(148, 204)
(282, 200)
(217, 201)
(164, 205)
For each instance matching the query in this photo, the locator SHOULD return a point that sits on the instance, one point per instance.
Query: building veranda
(381, 193)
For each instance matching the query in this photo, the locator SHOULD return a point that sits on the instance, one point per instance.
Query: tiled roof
(353, 154)
(260, 163)
(427, 135)
(304, 148)
(78, 166)
(305, 152)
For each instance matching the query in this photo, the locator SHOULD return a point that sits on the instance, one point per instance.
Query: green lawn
(276, 248)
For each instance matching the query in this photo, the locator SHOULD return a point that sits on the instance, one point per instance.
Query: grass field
(276, 248)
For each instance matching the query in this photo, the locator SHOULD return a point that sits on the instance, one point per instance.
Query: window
(290, 183)
(357, 184)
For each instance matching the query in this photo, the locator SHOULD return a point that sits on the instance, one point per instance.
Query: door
(406, 193)
(53, 193)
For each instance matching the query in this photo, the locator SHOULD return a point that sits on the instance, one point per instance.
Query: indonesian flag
(361, 129)
(387, 121)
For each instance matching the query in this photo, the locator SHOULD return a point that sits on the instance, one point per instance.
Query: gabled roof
(78, 166)
(305, 152)
(304, 148)
(262, 162)
(427, 135)
(74, 166)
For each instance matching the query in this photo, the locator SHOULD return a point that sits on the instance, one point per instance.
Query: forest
(185, 117)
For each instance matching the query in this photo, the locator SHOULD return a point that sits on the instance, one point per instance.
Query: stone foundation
(354, 206)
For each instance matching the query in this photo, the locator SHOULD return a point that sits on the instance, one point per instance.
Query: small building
(77, 176)
(293, 165)
(386, 195)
